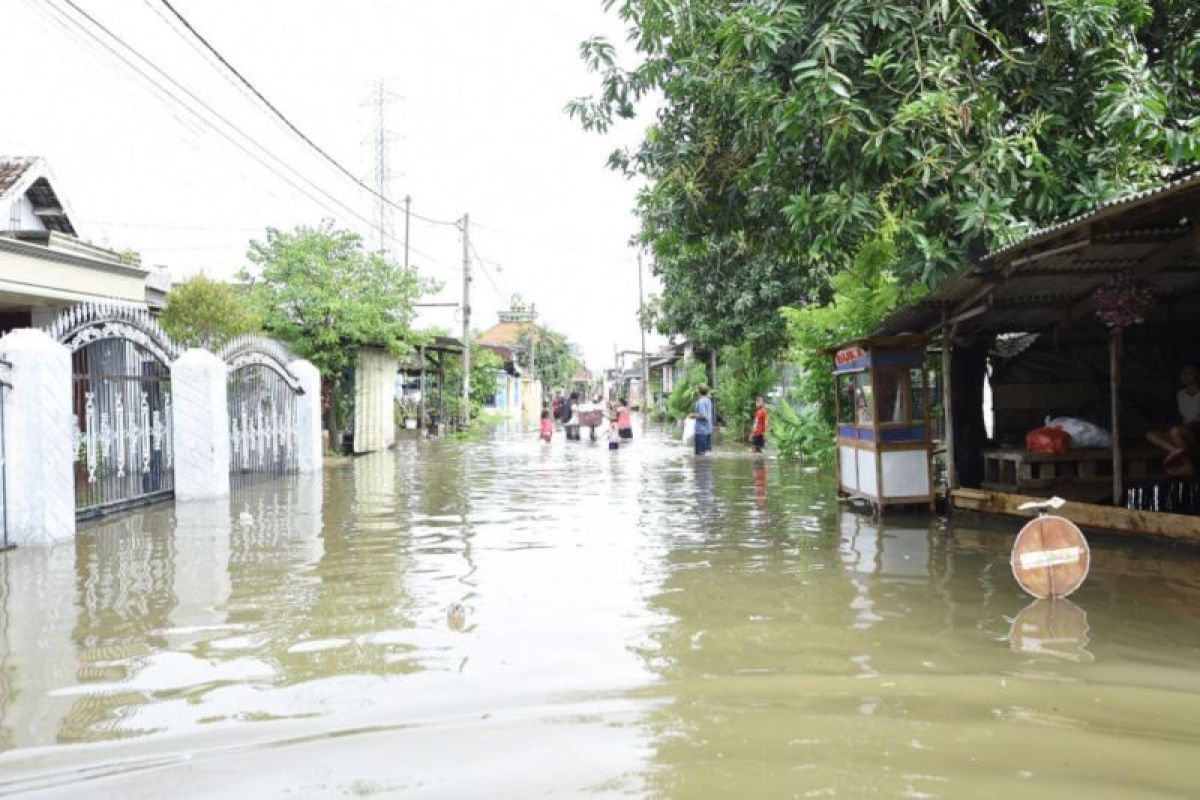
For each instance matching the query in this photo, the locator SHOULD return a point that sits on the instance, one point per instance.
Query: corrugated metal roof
(1179, 179)
(1061, 266)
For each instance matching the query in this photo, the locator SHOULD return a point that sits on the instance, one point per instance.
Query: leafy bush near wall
(683, 397)
(801, 432)
(742, 376)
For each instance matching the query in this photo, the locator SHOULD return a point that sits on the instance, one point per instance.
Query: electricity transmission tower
(380, 101)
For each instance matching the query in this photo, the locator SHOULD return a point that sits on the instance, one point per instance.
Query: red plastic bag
(1051, 441)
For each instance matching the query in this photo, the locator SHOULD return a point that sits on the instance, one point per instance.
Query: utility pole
(645, 361)
(407, 217)
(466, 318)
(533, 343)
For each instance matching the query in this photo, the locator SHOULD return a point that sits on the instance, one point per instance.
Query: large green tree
(321, 291)
(787, 131)
(201, 312)
(557, 361)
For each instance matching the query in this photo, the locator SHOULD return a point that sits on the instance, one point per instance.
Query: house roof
(29, 176)
(504, 334)
(11, 170)
(1049, 278)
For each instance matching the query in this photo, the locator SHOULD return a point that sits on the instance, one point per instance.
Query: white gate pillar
(39, 439)
(201, 425)
(308, 416)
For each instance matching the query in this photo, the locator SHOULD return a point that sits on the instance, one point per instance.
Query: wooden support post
(1114, 381)
(948, 435)
(421, 406)
(441, 391)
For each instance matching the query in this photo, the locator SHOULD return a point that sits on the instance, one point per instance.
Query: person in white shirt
(1185, 433)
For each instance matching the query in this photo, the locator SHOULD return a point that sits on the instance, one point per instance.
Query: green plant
(742, 376)
(861, 297)
(485, 375)
(321, 291)
(801, 433)
(201, 312)
(682, 399)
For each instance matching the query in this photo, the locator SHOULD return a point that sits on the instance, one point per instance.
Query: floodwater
(500, 618)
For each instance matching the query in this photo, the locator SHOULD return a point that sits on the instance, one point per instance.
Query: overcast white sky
(480, 87)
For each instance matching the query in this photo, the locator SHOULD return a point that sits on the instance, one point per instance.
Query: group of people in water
(575, 415)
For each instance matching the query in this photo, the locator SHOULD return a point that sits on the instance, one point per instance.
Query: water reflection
(37, 651)
(868, 663)
(454, 617)
(1056, 628)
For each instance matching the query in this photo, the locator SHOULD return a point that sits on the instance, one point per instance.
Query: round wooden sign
(1050, 557)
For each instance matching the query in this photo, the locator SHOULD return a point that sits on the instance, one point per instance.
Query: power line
(483, 268)
(204, 120)
(291, 126)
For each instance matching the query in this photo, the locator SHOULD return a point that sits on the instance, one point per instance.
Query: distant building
(517, 393)
(44, 265)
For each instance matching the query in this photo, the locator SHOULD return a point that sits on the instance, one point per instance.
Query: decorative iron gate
(120, 360)
(262, 395)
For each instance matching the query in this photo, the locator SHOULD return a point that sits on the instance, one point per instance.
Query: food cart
(884, 446)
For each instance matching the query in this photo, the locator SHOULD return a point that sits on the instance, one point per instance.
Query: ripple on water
(458, 616)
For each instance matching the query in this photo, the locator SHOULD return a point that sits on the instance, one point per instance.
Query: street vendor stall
(883, 433)
(1086, 327)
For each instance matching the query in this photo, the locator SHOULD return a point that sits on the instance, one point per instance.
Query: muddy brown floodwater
(500, 618)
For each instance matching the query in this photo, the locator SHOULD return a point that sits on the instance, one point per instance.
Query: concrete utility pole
(533, 343)
(466, 317)
(645, 361)
(407, 216)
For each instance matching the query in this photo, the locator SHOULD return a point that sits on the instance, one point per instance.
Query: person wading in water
(704, 421)
(570, 417)
(624, 421)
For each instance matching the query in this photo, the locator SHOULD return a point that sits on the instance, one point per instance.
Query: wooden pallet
(1154, 524)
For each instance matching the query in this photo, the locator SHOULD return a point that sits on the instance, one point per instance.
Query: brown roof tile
(11, 170)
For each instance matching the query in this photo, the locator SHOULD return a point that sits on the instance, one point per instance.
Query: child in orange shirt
(546, 430)
(758, 435)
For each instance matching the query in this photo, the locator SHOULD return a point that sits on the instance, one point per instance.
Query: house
(512, 339)
(507, 401)
(44, 265)
(666, 366)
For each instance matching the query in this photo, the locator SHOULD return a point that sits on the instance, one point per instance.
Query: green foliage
(485, 377)
(801, 432)
(205, 313)
(861, 297)
(785, 133)
(556, 360)
(742, 376)
(323, 293)
(682, 399)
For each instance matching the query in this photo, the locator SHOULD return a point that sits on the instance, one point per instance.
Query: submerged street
(499, 617)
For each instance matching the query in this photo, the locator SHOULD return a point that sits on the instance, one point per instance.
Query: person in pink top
(546, 428)
(624, 421)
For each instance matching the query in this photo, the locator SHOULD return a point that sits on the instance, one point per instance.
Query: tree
(741, 378)
(201, 312)
(789, 130)
(556, 359)
(319, 290)
(682, 400)
(861, 297)
(485, 379)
